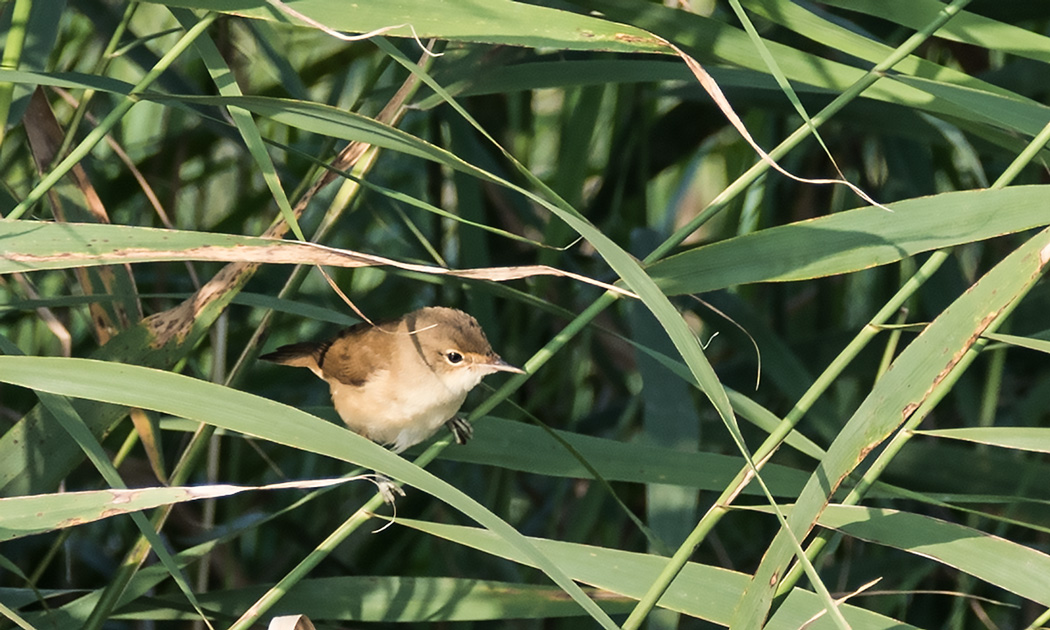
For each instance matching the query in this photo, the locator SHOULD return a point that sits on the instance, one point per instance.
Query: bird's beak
(499, 365)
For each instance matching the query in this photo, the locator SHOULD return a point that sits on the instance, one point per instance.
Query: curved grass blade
(967, 27)
(518, 446)
(1019, 569)
(244, 413)
(855, 239)
(392, 599)
(39, 513)
(910, 380)
(1035, 439)
(492, 22)
(227, 85)
(702, 591)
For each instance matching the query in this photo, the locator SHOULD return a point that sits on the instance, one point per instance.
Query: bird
(397, 382)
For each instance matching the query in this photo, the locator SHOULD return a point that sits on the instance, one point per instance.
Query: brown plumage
(397, 382)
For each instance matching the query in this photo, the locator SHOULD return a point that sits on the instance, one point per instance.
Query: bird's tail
(296, 354)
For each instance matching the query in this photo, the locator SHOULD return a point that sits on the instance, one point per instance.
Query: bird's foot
(460, 428)
(389, 490)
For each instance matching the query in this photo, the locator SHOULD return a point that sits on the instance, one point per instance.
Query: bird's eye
(453, 357)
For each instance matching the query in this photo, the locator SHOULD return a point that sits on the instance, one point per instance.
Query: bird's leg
(387, 488)
(460, 428)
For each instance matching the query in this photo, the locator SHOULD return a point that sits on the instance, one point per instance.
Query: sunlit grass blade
(702, 591)
(910, 380)
(259, 417)
(968, 27)
(494, 22)
(1021, 438)
(392, 599)
(36, 514)
(1018, 569)
(854, 240)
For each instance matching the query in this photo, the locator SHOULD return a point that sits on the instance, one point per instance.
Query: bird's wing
(358, 353)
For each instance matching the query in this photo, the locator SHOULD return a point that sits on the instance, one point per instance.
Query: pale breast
(395, 413)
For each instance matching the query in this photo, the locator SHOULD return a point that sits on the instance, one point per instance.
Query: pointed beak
(497, 364)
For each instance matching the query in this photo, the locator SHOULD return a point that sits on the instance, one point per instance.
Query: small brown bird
(397, 382)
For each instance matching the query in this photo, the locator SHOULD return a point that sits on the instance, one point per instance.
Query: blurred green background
(561, 134)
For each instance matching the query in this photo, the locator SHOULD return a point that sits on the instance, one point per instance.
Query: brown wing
(357, 353)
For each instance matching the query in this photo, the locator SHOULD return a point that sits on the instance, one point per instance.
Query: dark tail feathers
(297, 354)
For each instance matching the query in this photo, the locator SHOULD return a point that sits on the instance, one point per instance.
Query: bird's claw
(460, 428)
(389, 490)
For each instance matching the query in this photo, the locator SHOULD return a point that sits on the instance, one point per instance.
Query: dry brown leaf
(291, 622)
(279, 251)
(144, 185)
(715, 92)
(45, 138)
(840, 600)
